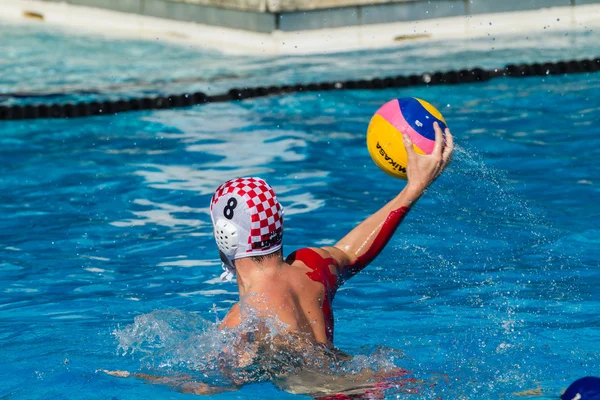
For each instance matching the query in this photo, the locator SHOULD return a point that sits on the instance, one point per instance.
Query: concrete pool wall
(294, 15)
(305, 26)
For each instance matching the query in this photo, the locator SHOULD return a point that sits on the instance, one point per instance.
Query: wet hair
(275, 254)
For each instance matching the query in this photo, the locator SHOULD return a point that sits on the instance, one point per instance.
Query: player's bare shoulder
(233, 318)
(299, 258)
(315, 264)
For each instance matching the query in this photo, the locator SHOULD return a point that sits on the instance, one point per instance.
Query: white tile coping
(233, 41)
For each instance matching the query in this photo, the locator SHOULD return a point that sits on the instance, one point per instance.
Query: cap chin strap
(227, 238)
(229, 272)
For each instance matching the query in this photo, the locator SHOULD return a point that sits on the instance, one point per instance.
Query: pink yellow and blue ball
(412, 116)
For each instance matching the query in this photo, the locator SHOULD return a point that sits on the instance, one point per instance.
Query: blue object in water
(587, 388)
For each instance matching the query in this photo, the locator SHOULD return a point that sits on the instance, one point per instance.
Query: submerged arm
(181, 383)
(359, 247)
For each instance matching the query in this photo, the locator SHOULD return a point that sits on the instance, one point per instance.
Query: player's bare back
(298, 292)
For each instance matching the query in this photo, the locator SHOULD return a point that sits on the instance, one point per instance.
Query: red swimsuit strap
(319, 266)
(321, 273)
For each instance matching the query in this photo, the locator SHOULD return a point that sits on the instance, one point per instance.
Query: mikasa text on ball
(412, 116)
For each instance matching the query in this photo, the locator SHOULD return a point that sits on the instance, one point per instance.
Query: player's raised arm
(359, 247)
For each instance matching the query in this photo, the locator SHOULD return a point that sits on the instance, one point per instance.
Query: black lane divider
(94, 108)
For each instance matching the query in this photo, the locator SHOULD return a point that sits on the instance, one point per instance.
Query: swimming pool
(488, 288)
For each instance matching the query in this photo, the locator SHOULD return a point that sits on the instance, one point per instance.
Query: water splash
(499, 252)
(260, 349)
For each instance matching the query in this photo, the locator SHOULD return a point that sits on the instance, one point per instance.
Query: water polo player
(299, 290)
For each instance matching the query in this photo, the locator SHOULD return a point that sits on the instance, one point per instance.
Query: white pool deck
(132, 26)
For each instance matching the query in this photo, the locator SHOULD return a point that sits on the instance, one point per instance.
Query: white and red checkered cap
(250, 206)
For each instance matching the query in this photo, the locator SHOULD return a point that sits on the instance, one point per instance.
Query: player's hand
(422, 170)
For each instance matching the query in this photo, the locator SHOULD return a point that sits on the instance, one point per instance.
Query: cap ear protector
(227, 238)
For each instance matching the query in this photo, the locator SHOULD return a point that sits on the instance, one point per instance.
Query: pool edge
(316, 41)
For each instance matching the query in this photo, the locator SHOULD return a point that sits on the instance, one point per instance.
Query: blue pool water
(490, 287)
